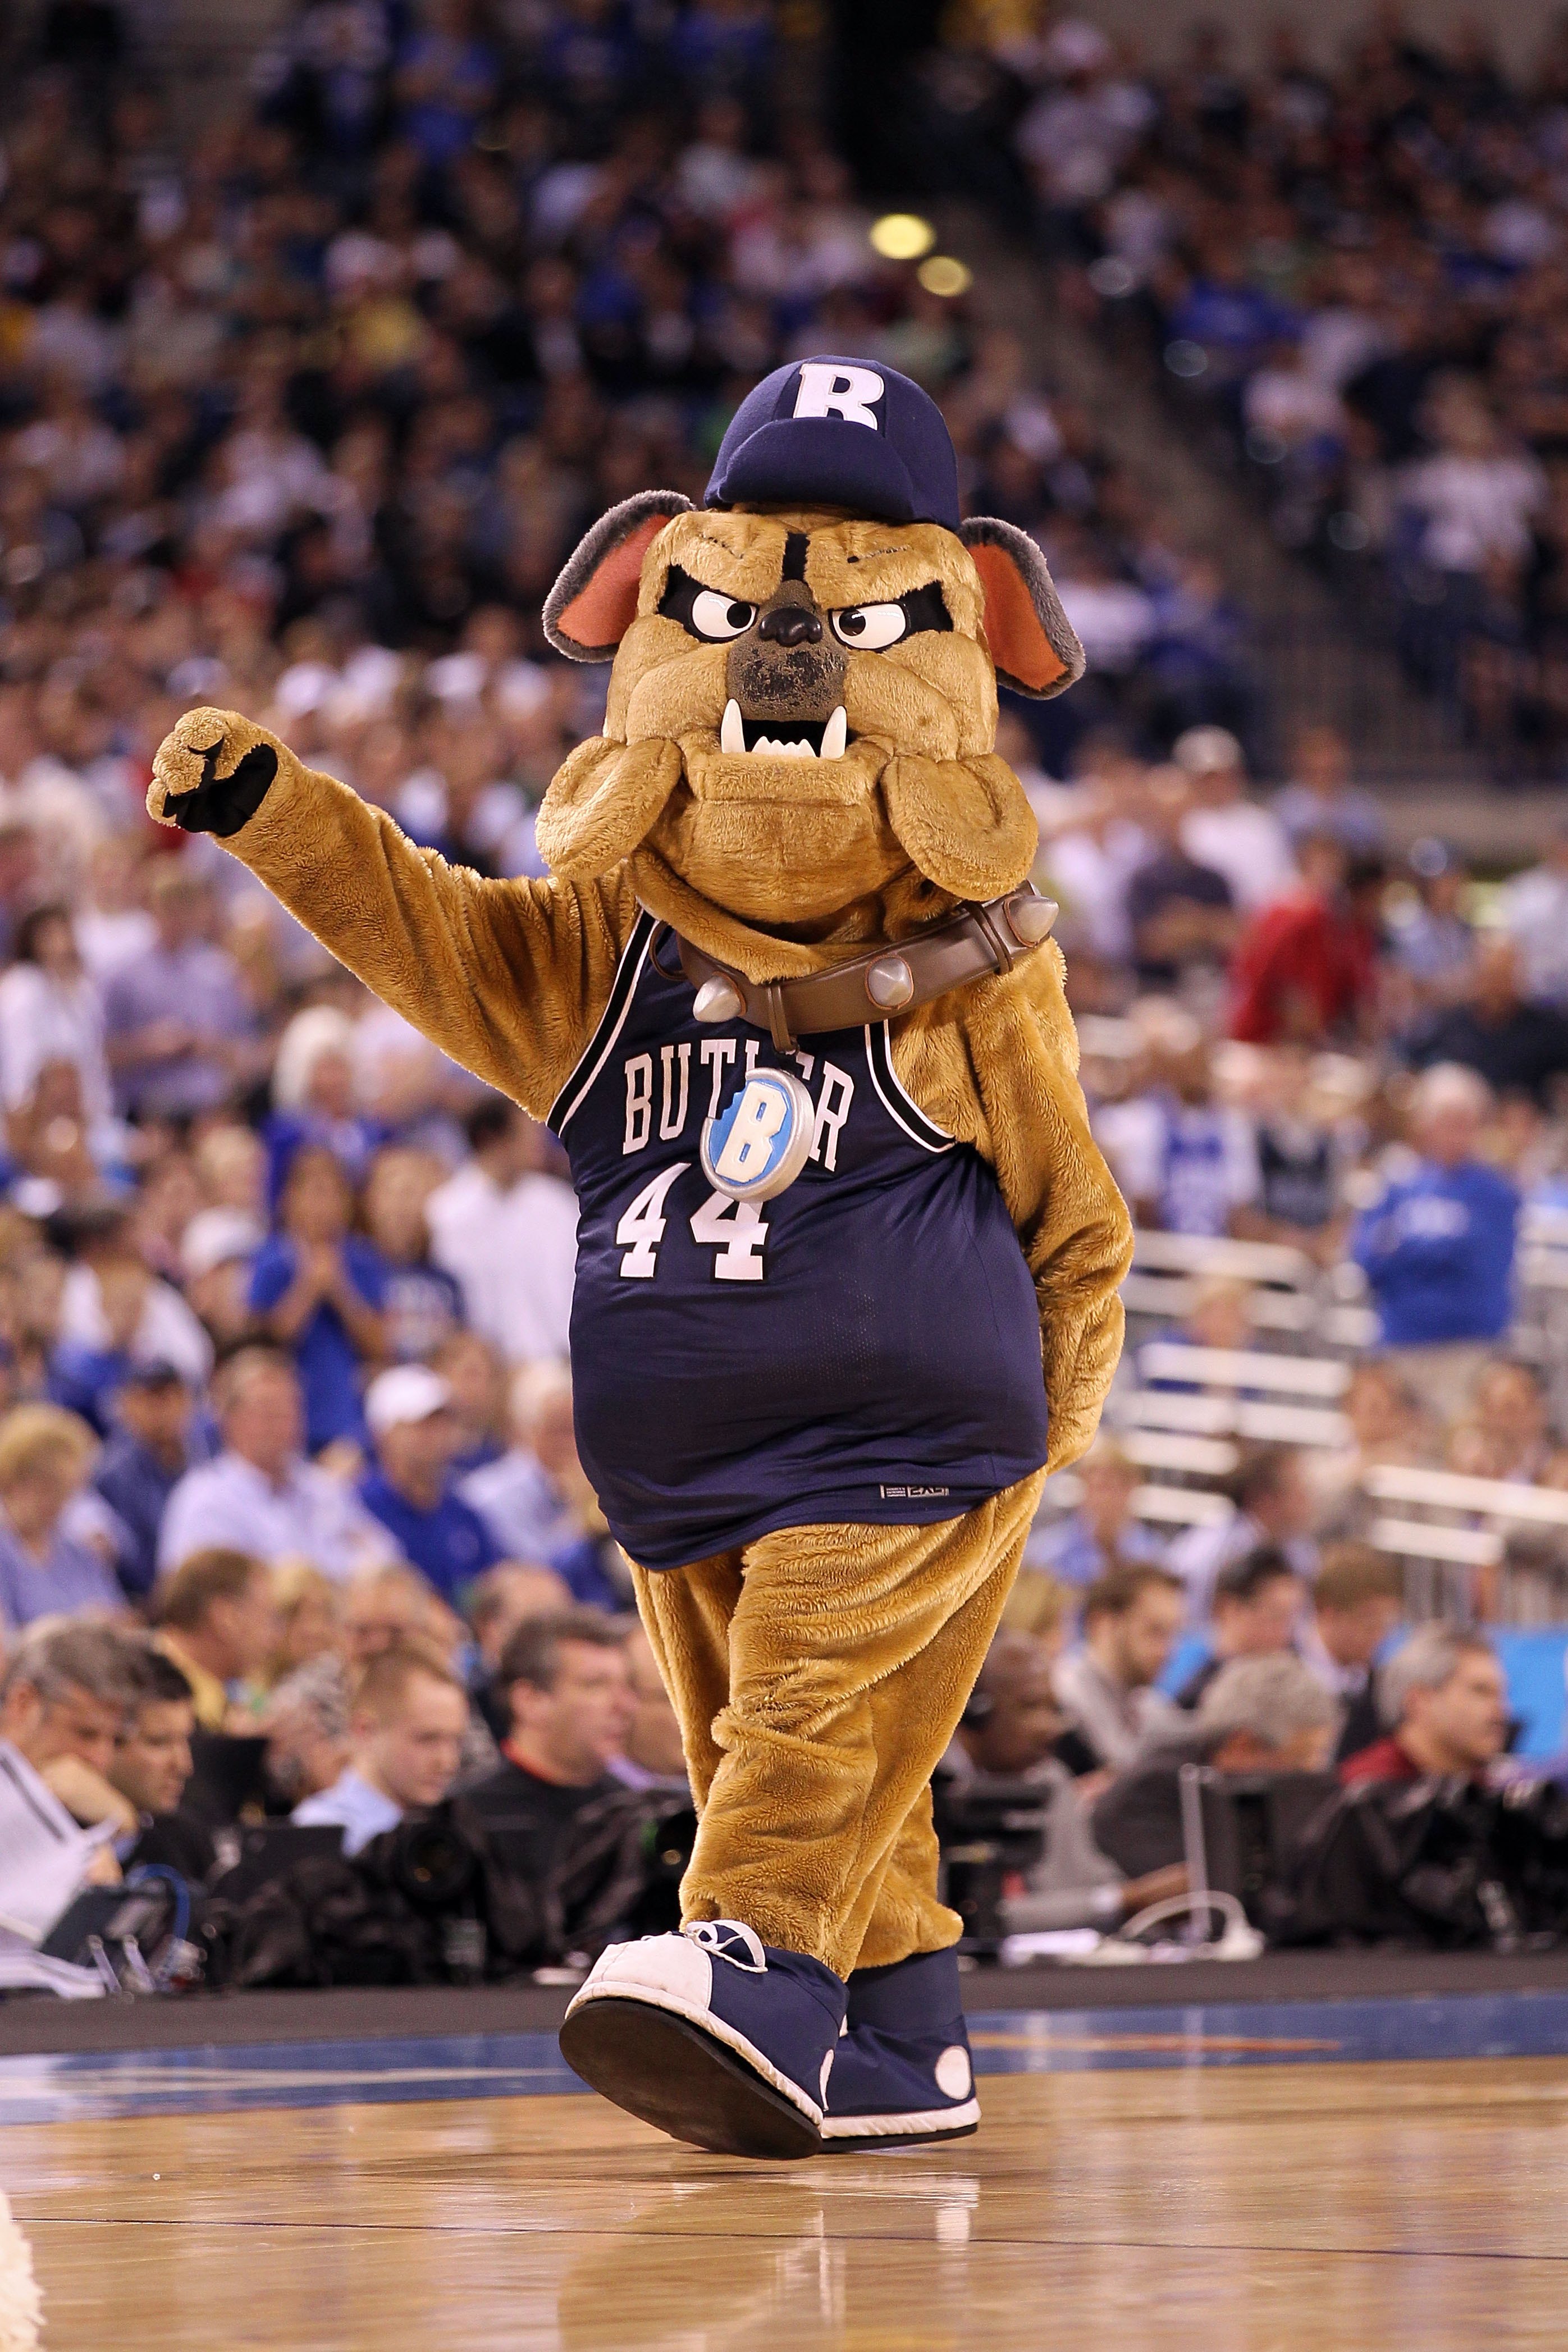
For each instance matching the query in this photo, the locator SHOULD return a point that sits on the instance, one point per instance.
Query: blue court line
(223, 2081)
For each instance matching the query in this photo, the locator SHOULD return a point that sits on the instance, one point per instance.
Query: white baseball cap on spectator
(214, 1237)
(407, 1392)
(1206, 752)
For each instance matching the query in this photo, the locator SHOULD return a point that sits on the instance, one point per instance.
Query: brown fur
(818, 1676)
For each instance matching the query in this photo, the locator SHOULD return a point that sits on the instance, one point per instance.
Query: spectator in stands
(1184, 1162)
(1321, 798)
(177, 1024)
(1009, 1733)
(1357, 1599)
(1512, 1411)
(309, 1609)
(1270, 1503)
(319, 1290)
(46, 1456)
(497, 1603)
(406, 1732)
(1256, 1609)
(146, 1455)
(507, 1231)
(260, 1492)
(410, 1490)
(1261, 1715)
(652, 1756)
(1182, 912)
(572, 1707)
(1305, 969)
(63, 1699)
(1384, 1424)
(1445, 1701)
(1437, 1248)
(1101, 1534)
(1131, 1619)
(422, 1305)
(217, 1621)
(537, 1501)
(477, 1377)
(1433, 945)
(1517, 1047)
(1534, 912)
(1225, 831)
(1302, 1160)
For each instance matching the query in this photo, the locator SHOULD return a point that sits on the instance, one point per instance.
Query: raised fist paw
(211, 771)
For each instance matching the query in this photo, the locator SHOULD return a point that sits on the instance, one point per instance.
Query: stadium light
(902, 236)
(943, 275)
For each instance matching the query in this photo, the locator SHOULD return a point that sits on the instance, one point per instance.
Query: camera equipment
(991, 1831)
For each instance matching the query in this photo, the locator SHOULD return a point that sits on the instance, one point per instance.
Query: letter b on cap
(846, 392)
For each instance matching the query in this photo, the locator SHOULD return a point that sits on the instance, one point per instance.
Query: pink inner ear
(1018, 645)
(601, 614)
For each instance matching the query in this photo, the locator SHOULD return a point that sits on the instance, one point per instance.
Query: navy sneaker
(902, 2072)
(712, 2035)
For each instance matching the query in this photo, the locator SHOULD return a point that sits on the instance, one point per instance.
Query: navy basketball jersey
(865, 1345)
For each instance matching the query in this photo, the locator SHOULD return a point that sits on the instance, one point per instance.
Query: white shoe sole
(932, 2122)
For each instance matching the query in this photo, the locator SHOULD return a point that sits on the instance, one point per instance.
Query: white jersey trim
(895, 1099)
(612, 1021)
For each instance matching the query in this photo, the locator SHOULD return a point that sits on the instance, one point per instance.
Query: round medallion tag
(759, 1142)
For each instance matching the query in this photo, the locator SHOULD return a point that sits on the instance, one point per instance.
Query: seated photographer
(1256, 1608)
(1131, 1619)
(1446, 1699)
(151, 1766)
(406, 1729)
(63, 1701)
(1007, 1734)
(570, 1707)
(1357, 1602)
(1257, 1715)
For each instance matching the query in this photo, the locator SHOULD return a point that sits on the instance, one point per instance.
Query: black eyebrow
(922, 608)
(680, 592)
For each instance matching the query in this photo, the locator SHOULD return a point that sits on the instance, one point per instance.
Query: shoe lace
(722, 1936)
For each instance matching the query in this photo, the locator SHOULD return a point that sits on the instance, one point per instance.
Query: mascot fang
(848, 1257)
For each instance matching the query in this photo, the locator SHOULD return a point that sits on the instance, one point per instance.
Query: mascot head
(802, 708)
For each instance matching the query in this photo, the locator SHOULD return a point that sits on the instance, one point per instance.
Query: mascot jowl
(848, 1256)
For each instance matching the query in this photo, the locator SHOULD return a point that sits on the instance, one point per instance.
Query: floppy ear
(1032, 642)
(594, 601)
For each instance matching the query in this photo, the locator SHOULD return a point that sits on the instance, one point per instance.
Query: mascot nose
(790, 624)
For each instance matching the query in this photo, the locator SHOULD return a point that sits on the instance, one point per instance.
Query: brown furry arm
(998, 1066)
(508, 978)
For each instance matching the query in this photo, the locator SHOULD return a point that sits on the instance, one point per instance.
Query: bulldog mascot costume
(846, 1257)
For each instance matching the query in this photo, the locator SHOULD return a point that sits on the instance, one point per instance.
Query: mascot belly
(848, 1256)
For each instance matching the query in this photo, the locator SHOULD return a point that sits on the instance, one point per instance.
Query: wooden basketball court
(1217, 2191)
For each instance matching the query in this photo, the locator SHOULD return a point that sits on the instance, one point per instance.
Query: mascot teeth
(818, 739)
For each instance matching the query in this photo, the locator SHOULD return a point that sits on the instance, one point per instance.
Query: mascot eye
(718, 617)
(871, 626)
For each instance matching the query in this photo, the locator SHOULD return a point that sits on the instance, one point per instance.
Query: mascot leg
(817, 1678)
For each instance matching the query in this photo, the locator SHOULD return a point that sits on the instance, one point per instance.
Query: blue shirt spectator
(319, 1290)
(147, 1453)
(352, 1805)
(45, 1455)
(1437, 1249)
(175, 1015)
(410, 1489)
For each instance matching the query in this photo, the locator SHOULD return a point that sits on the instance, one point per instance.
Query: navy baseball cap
(839, 433)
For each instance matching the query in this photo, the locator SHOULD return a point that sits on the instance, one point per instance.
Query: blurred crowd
(1356, 269)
